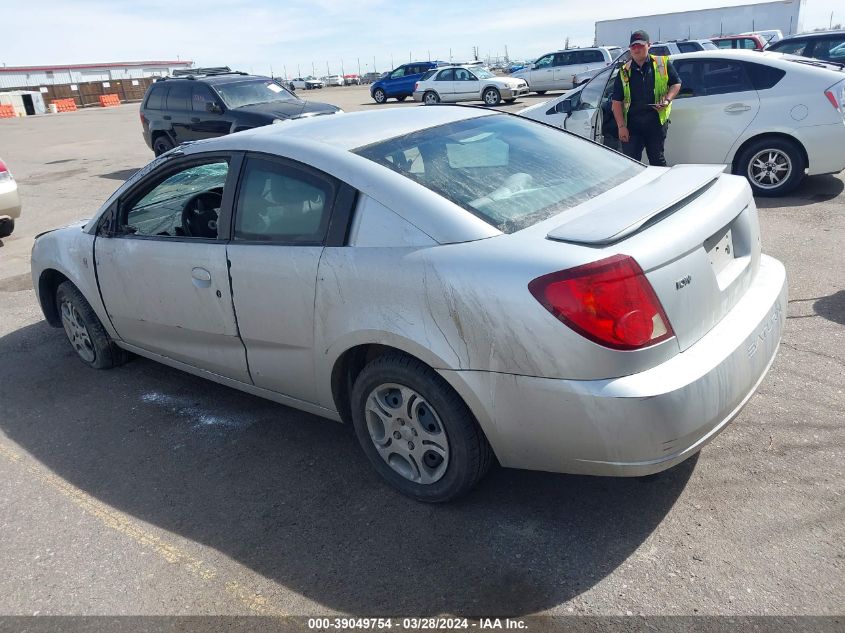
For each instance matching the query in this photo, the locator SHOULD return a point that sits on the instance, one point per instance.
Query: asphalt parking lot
(144, 490)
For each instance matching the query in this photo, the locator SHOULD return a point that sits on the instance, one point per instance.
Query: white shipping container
(704, 23)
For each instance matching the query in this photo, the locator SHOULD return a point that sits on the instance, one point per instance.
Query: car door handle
(166, 117)
(201, 278)
(737, 107)
(195, 119)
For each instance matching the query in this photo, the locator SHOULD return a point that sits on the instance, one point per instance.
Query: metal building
(86, 82)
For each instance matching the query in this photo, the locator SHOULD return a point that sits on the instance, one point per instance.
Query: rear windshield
(428, 74)
(509, 171)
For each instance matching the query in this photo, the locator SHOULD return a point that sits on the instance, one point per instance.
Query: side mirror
(564, 107)
(214, 107)
(534, 66)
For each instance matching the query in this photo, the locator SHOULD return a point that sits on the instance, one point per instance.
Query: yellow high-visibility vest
(661, 86)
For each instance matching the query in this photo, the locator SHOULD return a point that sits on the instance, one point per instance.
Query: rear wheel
(162, 144)
(431, 98)
(401, 98)
(7, 225)
(85, 332)
(491, 97)
(416, 431)
(379, 96)
(773, 166)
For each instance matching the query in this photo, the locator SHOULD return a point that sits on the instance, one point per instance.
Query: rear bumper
(638, 424)
(824, 145)
(10, 202)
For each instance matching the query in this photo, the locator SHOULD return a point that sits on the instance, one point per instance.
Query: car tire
(86, 333)
(431, 98)
(540, 92)
(399, 383)
(401, 97)
(379, 96)
(292, 87)
(162, 144)
(7, 225)
(491, 97)
(510, 100)
(773, 166)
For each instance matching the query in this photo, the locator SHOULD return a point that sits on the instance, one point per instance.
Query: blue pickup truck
(399, 82)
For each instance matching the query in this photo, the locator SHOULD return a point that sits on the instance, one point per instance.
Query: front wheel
(540, 92)
(401, 98)
(491, 97)
(772, 166)
(379, 96)
(162, 144)
(416, 431)
(85, 332)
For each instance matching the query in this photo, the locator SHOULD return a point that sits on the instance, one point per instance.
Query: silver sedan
(456, 283)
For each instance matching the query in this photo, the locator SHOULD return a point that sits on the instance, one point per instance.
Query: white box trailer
(704, 23)
(25, 102)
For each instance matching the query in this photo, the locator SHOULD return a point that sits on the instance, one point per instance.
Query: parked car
(399, 82)
(369, 78)
(459, 83)
(456, 282)
(554, 71)
(826, 45)
(10, 202)
(752, 42)
(351, 80)
(677, 47)
(333, 80)
(769, 37)
(584, 77)
(189, 108)
(305, 83)
(769, 117)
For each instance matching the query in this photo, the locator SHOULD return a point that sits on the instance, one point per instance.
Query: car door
(162, 270)
(444, 84)
(542, 73)
(467, 85)
(585, 114)
(207, 123)
(179, 111)
(280, 226)
(716, 104)
(566, 64)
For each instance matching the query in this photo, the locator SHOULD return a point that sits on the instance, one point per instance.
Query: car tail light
(609, 302)
(836, 95)
(4, 172)
(416, 86)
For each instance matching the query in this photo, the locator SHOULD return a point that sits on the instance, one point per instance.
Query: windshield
(253, 91)
(481, 73)
(509, 171)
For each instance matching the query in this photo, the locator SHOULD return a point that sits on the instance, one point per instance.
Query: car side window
(689, 47)
(720, 76)
(399, 72)
(793, 47)
(462, 74)
(591, 95)
(689, 72)
(748, 43)
(724, 43)
(545, 61)
(564, 59)
(446, 75)
(661, 51)
(183, 204)
(179, 96)
(156, 99)
(593, 57)
(830, 48)
(763, 77)
(202, 95)
(281, 203)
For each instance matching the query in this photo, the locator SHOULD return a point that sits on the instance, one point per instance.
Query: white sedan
(306, 83)
(456, 283)
(769, 117)
(458, 83)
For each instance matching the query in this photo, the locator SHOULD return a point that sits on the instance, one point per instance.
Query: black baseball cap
(639, 37)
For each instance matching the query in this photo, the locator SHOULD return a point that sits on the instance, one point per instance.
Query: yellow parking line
(120, 522)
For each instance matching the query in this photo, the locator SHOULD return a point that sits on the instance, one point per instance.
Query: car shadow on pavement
(292, 497)
(832, 307)
(811, 190)
(121, 174)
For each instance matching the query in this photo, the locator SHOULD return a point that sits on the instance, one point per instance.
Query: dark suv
(825, 45)
(214, 102)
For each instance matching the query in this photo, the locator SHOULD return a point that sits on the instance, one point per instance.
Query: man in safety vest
(642, 100)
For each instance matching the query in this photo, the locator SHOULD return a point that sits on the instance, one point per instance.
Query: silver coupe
(458, 284)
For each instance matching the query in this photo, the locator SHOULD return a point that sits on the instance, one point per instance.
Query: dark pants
(646, 132)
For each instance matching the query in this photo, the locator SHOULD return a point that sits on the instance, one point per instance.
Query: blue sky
(296, 35)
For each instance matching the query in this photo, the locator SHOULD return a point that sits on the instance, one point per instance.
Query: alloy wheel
(769, 168)
(77, 332)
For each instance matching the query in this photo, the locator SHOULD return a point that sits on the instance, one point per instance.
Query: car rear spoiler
(618, 219)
